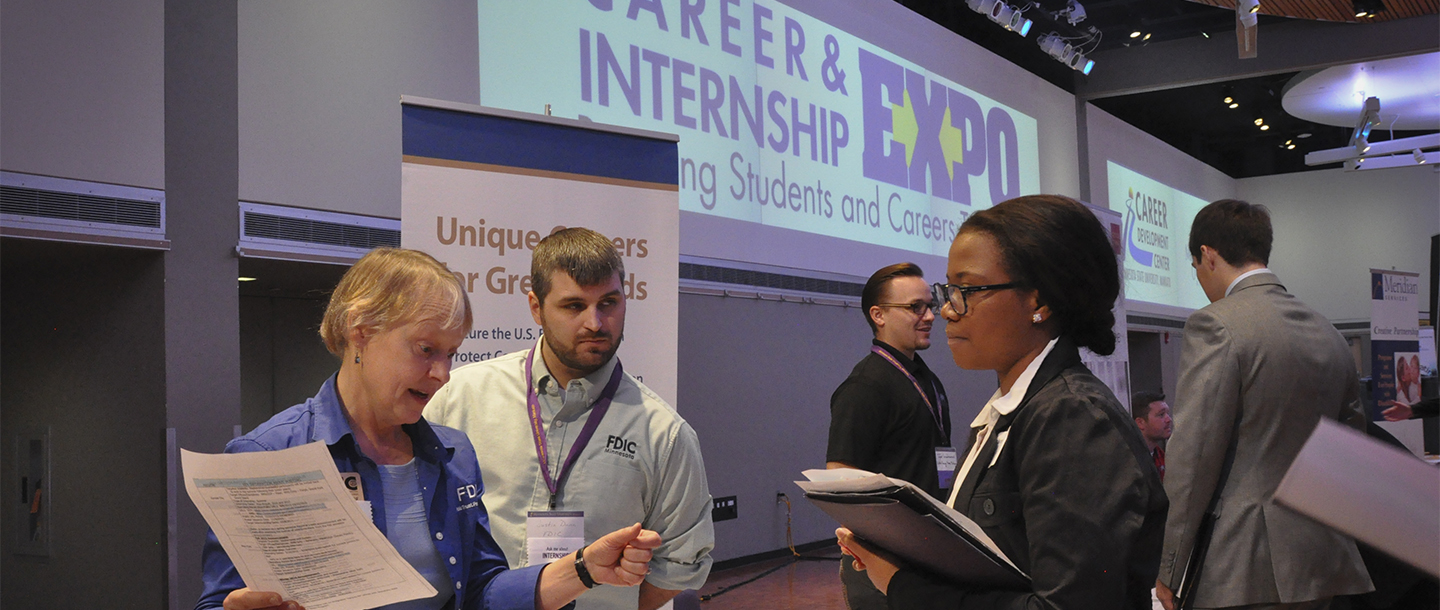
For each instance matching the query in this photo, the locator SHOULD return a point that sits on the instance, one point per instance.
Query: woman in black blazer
(1059, 478)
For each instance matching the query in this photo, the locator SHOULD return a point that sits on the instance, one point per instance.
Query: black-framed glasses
(918, 307)
(957, 296)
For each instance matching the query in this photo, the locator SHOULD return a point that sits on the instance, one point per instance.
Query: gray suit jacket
(1263, 356)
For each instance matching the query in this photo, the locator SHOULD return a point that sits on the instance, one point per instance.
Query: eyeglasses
(918, 307)
(957, 296)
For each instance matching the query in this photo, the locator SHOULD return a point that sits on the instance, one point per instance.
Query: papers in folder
(900, 518)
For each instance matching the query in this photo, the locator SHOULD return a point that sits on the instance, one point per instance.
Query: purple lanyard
(537, 424)
(934, 412)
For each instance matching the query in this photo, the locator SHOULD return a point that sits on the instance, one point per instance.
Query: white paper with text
(289, 525)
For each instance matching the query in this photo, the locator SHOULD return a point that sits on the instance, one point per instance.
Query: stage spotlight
(1369, 117)
(1419, 156)
(1289, 147)
(1234, 105)
(1135, 34)
(1073, 13)
(1259, 121)
(1264, 128)
(1055, 46)
(1249, 6)
(1001, 13)
(1145, 38)
(1019, 24)
(1052, 45)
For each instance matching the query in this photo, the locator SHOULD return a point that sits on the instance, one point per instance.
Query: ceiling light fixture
(1055, 46)
(1007, 16)
(1367, 8)
(1234, 105)
(1074, 13)
(246, 279)
(1289, 147)
(1204, 34)
(1369, 118)
(1399, 152)
(1249, 6)
(1264, 128)
(1419, 156)
(1144, 38)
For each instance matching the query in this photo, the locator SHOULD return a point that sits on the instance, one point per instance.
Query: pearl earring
(357, 358)
(1036, 318)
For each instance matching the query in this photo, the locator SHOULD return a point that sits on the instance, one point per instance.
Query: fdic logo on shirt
(620, 447)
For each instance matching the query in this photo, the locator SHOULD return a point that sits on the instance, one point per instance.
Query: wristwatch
(582, 571)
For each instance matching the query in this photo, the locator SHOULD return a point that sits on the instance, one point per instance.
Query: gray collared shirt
(643, 464)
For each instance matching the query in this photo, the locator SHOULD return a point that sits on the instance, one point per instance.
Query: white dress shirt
(999, 405)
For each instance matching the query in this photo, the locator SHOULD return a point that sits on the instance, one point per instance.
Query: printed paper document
(289, 525)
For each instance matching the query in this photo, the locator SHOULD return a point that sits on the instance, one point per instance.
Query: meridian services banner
(481, 187)
(784, 120)
(1394, 337)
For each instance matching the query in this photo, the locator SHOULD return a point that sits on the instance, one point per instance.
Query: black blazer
(1074, 500)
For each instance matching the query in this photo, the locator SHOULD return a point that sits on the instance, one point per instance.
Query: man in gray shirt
(561, 431)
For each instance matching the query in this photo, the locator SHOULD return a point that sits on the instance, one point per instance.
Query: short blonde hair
(389, 287)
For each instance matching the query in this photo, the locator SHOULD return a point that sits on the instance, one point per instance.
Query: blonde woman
(395, 320)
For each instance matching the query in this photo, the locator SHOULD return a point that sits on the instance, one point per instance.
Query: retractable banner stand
(481, 187)
(1395, 364)
(1114, 369)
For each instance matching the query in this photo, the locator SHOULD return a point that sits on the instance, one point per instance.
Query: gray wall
(1333, 226)
(755, 383)
(1155, 361)
(82, 352)
(282, 359)
(83, 90)
(320, 87)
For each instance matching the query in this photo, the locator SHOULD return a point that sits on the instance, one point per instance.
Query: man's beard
(570, 356)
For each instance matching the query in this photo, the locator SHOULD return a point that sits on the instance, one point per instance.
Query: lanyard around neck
(934, 411)
(537, 424)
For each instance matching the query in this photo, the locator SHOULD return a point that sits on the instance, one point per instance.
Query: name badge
(357, 491)
(550, 535)
(352, 485)
(946, 458)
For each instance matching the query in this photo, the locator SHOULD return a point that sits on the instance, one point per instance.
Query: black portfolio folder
(919, 530)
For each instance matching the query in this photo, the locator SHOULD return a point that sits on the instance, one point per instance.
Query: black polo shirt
(879, 423)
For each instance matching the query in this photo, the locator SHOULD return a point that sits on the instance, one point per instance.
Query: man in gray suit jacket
(1259, 364)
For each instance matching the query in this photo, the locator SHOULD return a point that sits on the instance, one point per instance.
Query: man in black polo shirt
(891, 415)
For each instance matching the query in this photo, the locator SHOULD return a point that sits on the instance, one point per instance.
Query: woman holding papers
(1056, 474)
(396, 319)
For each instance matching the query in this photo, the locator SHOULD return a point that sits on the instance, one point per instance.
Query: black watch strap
(582, 571)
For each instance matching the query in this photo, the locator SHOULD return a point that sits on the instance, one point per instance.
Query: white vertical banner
(1114, 370)
(480, 206)
(1394, 337)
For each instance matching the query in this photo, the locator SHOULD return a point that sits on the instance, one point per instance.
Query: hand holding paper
(246, 599)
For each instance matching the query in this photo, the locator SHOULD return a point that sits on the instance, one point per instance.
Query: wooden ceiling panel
(1335, 10)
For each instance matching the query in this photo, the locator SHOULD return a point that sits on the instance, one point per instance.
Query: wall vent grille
(309, 231)
(32, 202)
(763, 279)
(1152, 321)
